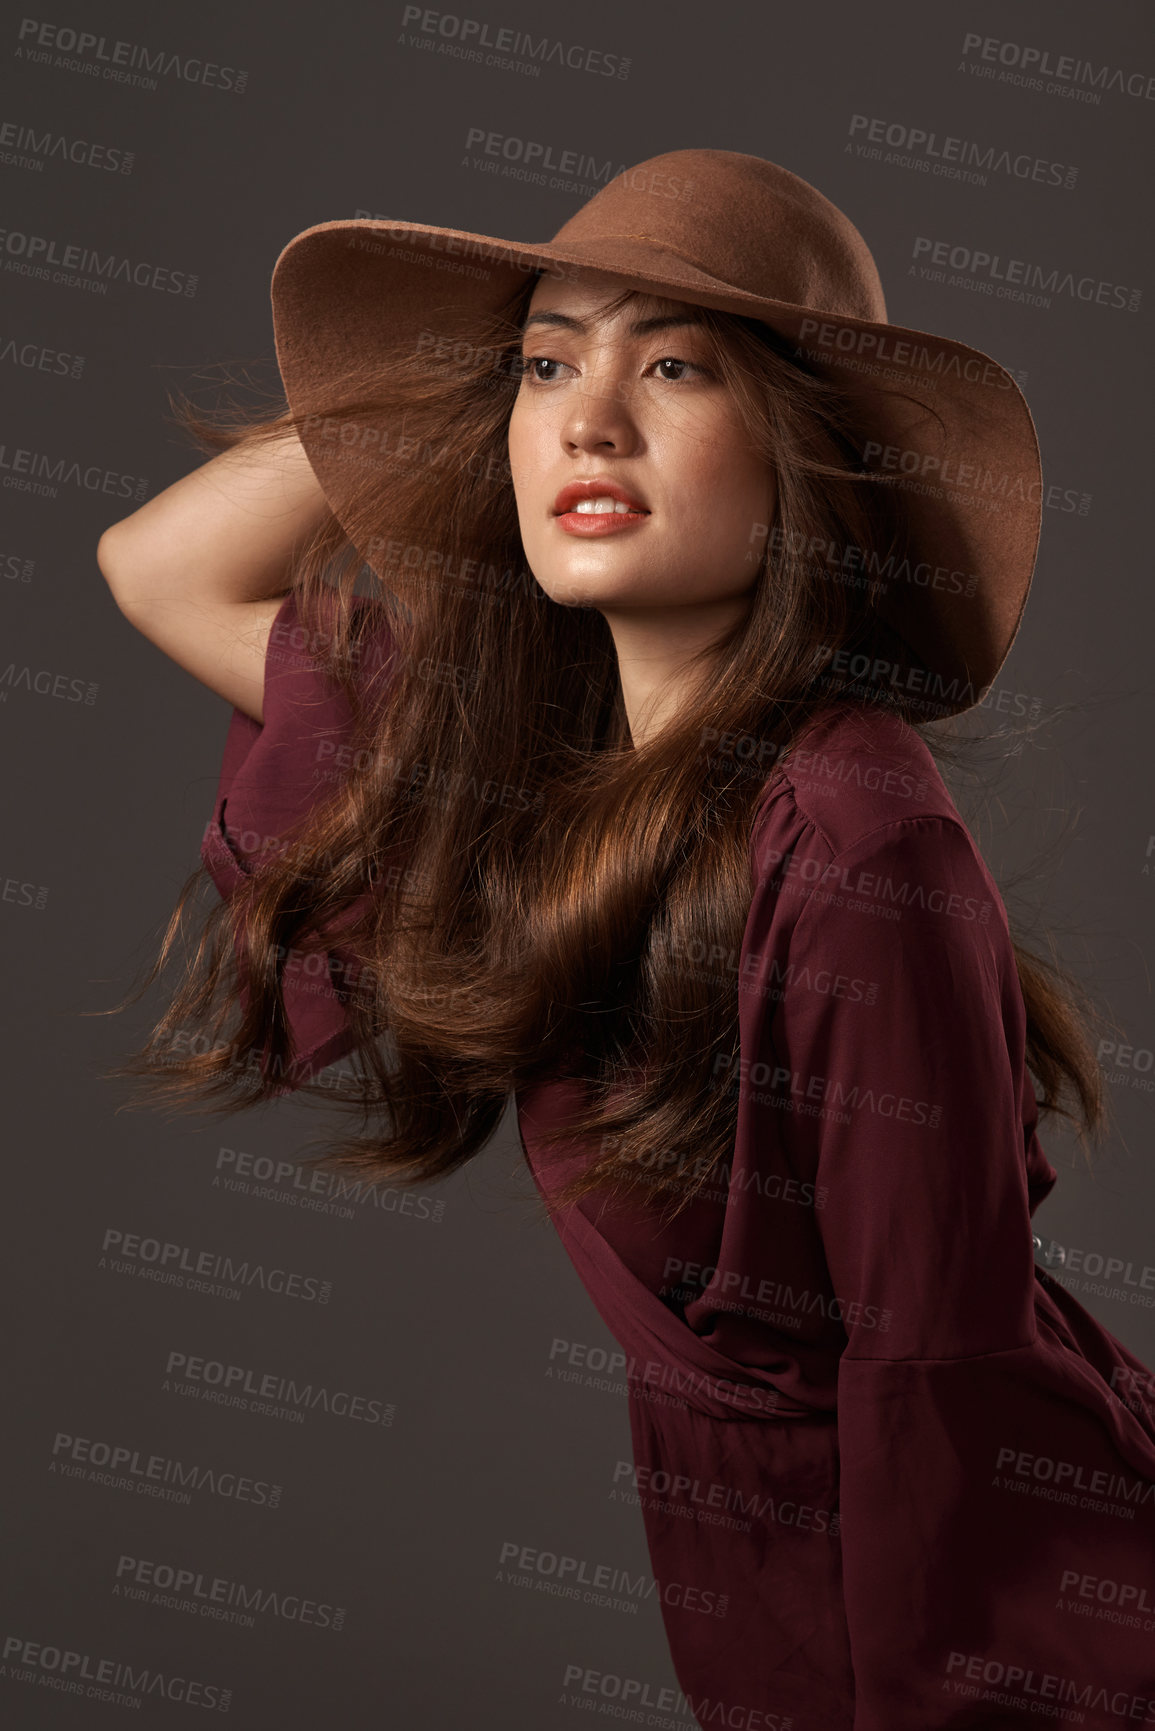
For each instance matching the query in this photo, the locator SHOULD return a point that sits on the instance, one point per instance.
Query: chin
(574, 598)
(607, 600)
(604, 589)
(583, 591)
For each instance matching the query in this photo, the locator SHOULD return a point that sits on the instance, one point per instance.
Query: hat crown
(741, 220)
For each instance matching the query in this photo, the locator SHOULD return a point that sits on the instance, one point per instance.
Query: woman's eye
(537, 369)
(530, 365)
(672, 361)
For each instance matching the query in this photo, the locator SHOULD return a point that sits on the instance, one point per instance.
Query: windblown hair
(543, 933)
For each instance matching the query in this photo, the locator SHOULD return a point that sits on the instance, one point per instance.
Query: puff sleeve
(987, 1470)
(271, 774)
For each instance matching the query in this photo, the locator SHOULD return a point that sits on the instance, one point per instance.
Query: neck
(655, 647)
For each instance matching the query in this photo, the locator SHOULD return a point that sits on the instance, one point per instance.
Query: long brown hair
(539, 931)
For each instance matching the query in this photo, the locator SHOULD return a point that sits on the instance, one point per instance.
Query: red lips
(595, 489)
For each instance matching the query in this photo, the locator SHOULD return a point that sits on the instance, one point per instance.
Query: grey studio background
(402, 1561)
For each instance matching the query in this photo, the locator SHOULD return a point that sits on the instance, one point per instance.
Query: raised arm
(202, 569)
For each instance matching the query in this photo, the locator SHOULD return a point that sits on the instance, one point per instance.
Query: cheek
(732, 489)
(520, 453)
(745, 480)
(525, 446)
(706, 447)
(513, 437)
(724, 481)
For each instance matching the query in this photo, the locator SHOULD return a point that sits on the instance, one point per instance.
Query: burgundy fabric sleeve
(986, 1467)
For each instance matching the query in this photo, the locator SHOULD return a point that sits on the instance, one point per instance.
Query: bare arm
(202, 569)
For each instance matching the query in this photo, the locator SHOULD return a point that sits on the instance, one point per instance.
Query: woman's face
(626, 402)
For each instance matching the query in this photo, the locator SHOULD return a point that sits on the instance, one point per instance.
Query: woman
(648, 834)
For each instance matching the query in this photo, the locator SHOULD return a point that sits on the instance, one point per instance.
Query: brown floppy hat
(944, 423)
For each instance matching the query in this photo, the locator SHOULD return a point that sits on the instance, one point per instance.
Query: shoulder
(859, 799)
(853, 771)
(855, 768)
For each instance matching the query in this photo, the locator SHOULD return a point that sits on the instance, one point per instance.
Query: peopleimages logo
(637, 1699)
(120, 1466)
(1067, 1481)
(951, 158)
(884, 349)
(268, 1392)
(120, 62)
(179, 1588)
(1018, 279)
(789, 868)
(43, 472)
(25, 147)
(804, 1094)
(204, 1271)
(529, 159)
(468, 36)
(709, 1499)
(1056, 74)
(118, 1681)
(63, 687)
(40, 256)
(990, 488)
(601, 1584)
(287, 1181)
(1013, 1683)
(40, 358)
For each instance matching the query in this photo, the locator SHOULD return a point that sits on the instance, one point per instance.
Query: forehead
(585, 293)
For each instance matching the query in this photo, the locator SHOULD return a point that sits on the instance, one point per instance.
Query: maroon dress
(893, 1476)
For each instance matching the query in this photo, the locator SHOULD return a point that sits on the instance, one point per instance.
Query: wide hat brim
(944, 422)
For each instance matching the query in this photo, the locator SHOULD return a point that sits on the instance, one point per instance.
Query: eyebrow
(639, 328)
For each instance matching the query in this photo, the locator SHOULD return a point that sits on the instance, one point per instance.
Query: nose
(597, 417)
